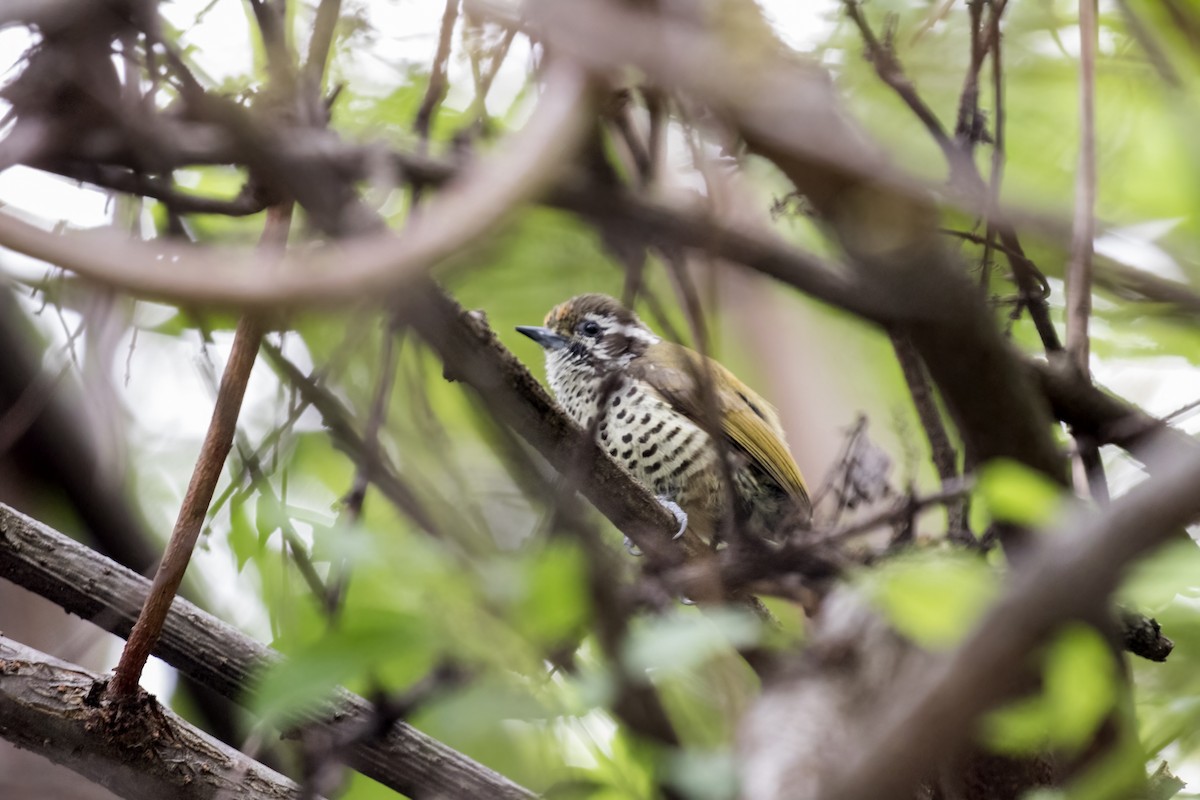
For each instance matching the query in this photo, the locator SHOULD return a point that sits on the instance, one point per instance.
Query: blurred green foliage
(502, 600)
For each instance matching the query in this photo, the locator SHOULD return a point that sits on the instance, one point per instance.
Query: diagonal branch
(466, 209)
(1068, 574)
(227, 661)
(49, 707)
(211, 462)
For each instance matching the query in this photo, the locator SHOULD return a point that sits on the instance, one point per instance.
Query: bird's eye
(590, 328)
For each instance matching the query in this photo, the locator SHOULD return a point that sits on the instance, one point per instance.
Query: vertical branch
(1079, 269)
(271, 16)
(997, 173)
(942, 452)
(217, 443)
(436, 91)
(321, 43)
(969, 127)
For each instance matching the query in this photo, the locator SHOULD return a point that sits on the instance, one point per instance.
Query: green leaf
(676, 642)
(555, 600)
(266, 518)
(1079, 688)
(1080, 685)
(1157, 579)
(403, 645)
(934, 598)
(1015, 493)
(704, 774)
(1019, 728)
(243, 537)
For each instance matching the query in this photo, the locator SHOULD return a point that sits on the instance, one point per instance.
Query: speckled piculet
(652, 423)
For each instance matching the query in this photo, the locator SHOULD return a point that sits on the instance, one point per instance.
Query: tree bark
(52, 708)
(219, 656)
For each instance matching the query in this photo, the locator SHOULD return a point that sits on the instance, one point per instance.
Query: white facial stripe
(629, 331)
(639, 333)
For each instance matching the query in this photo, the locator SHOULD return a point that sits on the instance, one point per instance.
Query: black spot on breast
(631, 465)
(671, 434)
(627, 438)
(621, 414)
(683, 465)
(612, 451)
(651, 450)
(625, 456)
(653, 468)
(632, 391)
(646, 419)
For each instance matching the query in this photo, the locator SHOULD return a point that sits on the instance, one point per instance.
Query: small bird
(653, 420)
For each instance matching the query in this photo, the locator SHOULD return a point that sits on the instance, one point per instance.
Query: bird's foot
(632, 548)
(680, 515)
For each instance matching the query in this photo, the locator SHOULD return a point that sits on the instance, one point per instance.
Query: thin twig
(887, 66)
(352, 504)
(435, 92)
(969, 128)
(945, 459)
(998, 139)
(952, 491)
(468, 208)
(1079, 267)
(217, 443)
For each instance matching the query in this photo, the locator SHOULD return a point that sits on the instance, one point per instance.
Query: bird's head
(591, 332)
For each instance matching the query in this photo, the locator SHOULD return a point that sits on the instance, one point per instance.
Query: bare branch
(1079, 268)
(222, 658)
(1067, 575)
(945, 459)
(436, 91)
(368, 266)
(49, 707)
(211, 462)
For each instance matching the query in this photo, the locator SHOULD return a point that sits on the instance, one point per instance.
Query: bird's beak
(544, 336)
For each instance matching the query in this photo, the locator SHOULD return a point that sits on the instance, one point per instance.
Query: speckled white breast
(660, 447)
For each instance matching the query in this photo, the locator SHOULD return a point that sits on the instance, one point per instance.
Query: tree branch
(219, 656)
(50, 707)
(211, 462)
(1079, 267)
(1069, 573)
(367, 266)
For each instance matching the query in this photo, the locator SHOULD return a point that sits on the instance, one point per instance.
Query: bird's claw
(680, 515)
(632, 548)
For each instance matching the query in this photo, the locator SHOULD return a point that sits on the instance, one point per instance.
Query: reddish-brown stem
(213, 452)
